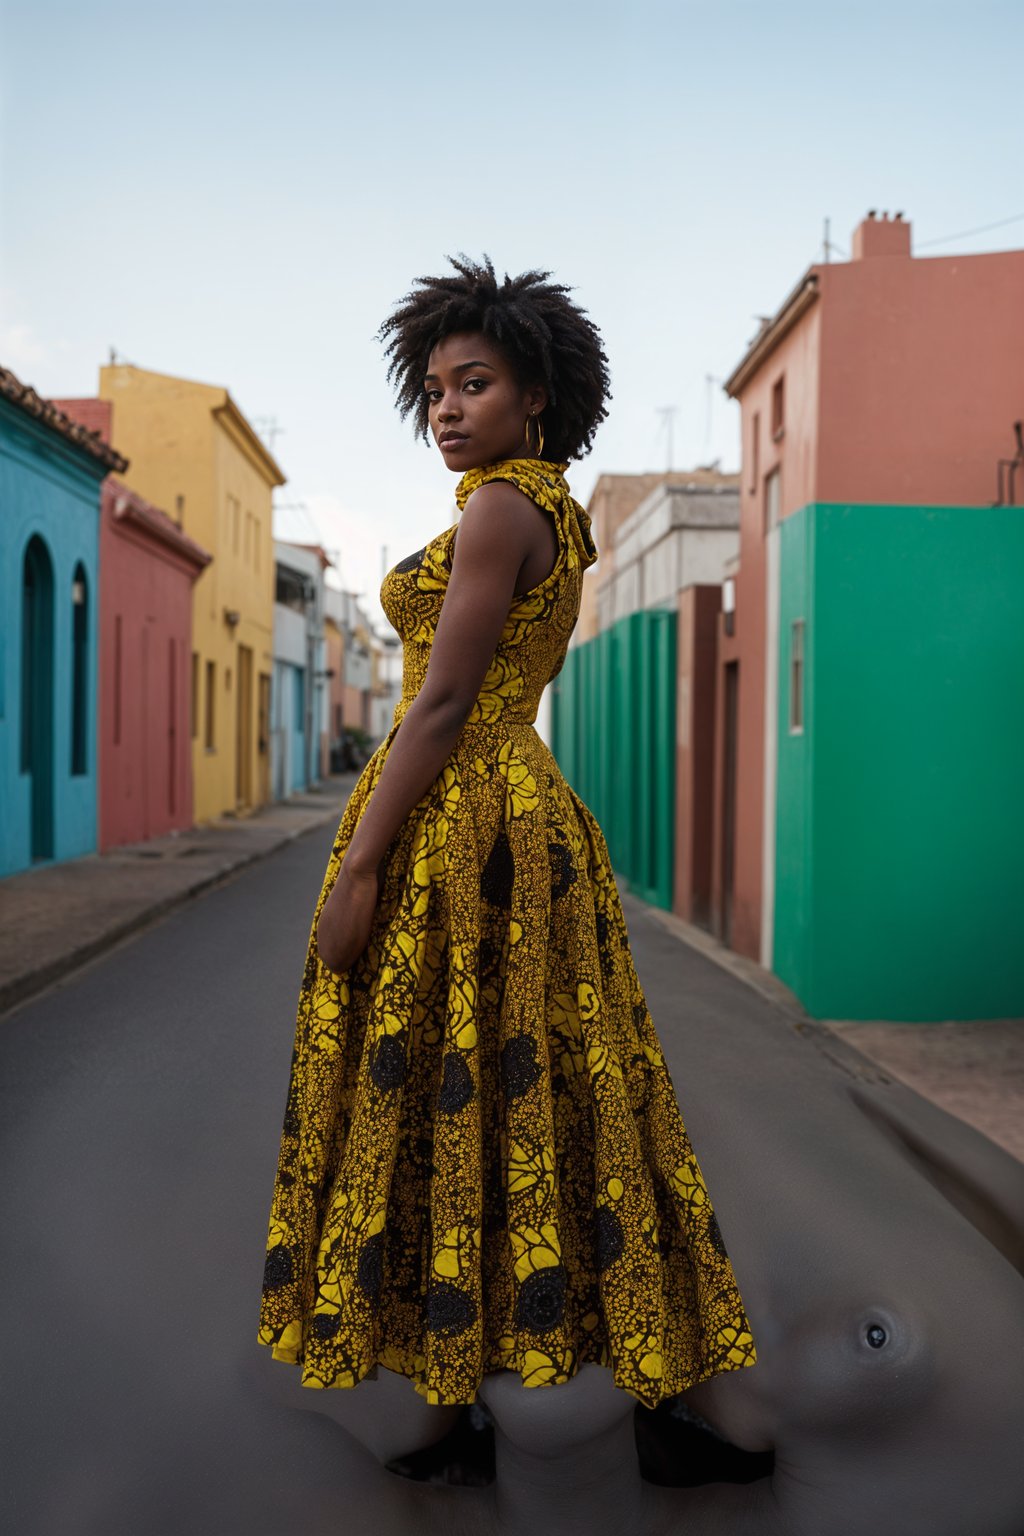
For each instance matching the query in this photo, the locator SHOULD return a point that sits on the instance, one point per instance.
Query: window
(211, 705)
(772, 495)
(291, 589)
(256, 547)
(118, 662)
(247, 550)
(796, 677)
(299, 698)
(729, 604)
(195, 695)
(778, 407)
(755, 448)
(79, 668)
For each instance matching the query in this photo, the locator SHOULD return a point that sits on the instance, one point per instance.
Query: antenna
(830, 245)
(302, 508)
(710, 380)
(668, 413)
(267, 428)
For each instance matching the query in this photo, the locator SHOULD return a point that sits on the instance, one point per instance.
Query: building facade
(300, 702)
(195, 454)
(633, 705)
(358, 670)
(863, 817)
(51, 472)
(335, 629)
(147, 569)
(612, 500)
(386, 684)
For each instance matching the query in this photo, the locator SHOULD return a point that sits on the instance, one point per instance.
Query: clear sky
(238, 193)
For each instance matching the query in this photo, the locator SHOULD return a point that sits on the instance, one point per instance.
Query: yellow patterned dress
(483, 1165)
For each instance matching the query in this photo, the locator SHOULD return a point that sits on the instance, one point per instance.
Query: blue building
(300, 721)
(51, 472)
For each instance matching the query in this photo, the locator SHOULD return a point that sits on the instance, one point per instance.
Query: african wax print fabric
(483, 1164)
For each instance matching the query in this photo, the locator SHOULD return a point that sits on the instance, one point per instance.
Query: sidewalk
(972, 1068)
(56, 917)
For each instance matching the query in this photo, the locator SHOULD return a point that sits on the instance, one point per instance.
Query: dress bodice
(535, 638)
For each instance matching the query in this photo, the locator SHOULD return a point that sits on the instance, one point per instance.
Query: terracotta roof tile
(33, 404)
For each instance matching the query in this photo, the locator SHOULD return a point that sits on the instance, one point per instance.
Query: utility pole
(668, 414)
(710, 381)
(828, 243)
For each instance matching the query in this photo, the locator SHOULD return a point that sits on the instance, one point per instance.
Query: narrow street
(142, 1102)
(141, 1108)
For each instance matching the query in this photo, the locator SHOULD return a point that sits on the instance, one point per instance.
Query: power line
(983, 229)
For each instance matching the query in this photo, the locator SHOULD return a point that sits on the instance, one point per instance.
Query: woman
(483, 1166)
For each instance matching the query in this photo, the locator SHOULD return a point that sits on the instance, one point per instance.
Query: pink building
(147, 568)
(885, 379)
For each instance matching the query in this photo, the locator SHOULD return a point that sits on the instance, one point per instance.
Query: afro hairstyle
(544, 336)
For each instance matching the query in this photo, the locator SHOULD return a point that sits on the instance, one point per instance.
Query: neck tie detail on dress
(543, 480)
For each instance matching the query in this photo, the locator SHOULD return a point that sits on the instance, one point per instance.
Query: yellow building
(193, 452)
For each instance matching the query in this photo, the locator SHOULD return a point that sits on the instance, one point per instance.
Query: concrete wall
(612, 500)
(305, 561)
(288, 732)
(678, 537)
(900, 827)
(334, 642)
(924, 378)
(793, 455)
(696, 629)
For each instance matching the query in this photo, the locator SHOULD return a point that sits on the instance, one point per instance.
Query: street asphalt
(142, 1099)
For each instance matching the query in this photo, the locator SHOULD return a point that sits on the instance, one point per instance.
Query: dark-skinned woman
(483, 1165)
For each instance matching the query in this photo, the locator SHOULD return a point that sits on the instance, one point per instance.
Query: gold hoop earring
(540, 435)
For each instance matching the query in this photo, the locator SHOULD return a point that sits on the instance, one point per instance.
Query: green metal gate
(613, 733)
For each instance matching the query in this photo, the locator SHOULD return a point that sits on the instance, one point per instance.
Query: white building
(299, 698)
(679, 536)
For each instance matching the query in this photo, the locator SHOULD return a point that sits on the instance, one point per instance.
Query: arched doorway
(79, 670)
(37, 662)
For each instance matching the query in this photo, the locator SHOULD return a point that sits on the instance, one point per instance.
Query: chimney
(883, 236)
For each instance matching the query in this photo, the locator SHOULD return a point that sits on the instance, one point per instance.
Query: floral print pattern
(482, 1164)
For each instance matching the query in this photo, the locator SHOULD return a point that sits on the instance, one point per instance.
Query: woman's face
(476, 407)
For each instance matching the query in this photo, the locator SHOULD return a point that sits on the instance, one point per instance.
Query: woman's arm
(499, 529)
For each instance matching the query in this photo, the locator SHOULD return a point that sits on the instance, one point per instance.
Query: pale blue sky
(239, 192)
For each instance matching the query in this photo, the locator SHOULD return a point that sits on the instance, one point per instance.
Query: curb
(31, 983)
(774, 992)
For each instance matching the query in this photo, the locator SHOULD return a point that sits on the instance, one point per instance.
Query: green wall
(613, 733)
(899, 878)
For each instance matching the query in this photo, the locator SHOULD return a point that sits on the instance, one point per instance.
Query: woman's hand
(343, 930)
